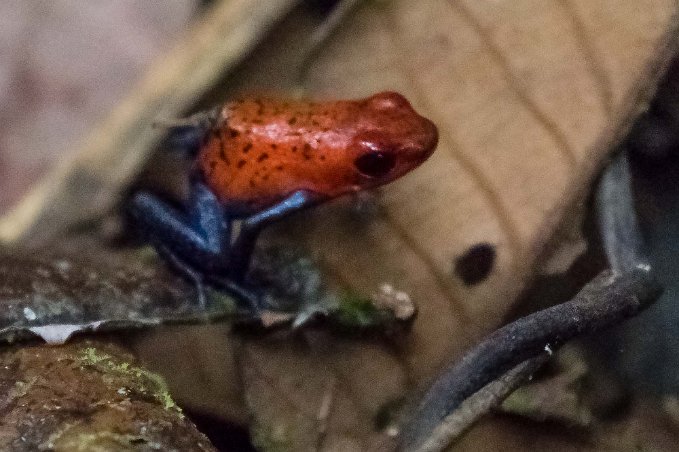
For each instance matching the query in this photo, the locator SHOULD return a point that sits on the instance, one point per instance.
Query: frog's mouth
(375, 164)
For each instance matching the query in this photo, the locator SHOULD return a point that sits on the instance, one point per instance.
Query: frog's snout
(431, 137)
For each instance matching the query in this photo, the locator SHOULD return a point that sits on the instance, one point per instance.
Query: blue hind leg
(196, 245)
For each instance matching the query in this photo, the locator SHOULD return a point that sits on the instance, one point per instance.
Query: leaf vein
(592, 59)
(515, 84)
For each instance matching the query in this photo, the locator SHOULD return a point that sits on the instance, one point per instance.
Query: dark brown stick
(618, 225)
(607, 300)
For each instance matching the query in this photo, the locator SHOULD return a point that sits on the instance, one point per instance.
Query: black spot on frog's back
(475, 264)
(307, 151)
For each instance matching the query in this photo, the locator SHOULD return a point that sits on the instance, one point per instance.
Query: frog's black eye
(375, 164)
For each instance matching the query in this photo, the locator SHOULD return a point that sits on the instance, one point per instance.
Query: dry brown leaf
(529, 97)
(644, 427)
(319, 394)
(199, 365)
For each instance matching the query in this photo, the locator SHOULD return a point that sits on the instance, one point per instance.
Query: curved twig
(480, 403)
(607, 300)
(617, 218)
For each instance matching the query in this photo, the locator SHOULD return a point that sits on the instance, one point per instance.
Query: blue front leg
(251, 227)
(209, 220)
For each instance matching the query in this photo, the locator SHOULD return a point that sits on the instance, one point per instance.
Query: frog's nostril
(375, 164)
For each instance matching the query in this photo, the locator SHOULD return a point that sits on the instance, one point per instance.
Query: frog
(258, 160)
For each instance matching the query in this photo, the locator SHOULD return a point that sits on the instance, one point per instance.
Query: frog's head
(391, 139)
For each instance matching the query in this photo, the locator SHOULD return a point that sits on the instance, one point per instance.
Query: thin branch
(617, 218)
(607, 300)
(481, 403)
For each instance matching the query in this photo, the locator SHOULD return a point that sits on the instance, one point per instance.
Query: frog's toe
(249, 300)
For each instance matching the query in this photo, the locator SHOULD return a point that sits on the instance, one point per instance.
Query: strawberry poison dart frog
(259, 160)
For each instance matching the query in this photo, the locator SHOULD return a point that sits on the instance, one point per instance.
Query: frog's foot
(248, 299)
(242, 248)
(187, 271)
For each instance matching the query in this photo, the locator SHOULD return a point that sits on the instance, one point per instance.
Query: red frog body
(260, 160)
(262, 150)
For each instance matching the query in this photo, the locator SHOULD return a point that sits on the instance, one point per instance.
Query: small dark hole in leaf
(476, 264)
